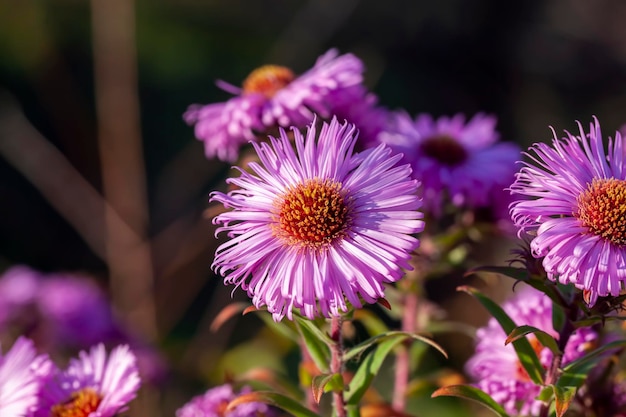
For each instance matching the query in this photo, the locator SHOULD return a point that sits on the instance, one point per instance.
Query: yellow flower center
(312, 214)
(602, 208)
(267, 80)
(80, 404)
(445, 150)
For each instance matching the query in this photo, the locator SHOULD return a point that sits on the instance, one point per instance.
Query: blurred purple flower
(576, 210)
(213, 403)
(19, 286)
(453, 159)
(313, 227)
(75, 309)
(93, 385)
(22, 374)
(272, 96)
(496, 367)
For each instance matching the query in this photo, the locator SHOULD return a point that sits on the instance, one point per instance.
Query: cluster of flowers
(94, 384)
(321, 221)
(63, 313)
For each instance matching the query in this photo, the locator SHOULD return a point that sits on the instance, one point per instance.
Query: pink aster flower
(22, 373)
(576, 209)
(312, 227)
(453, 159)
(93, 385)
(272, 96)
(213, 403)
(497, 369)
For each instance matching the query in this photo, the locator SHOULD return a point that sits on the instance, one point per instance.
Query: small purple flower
(453, 159)
(93, 385)
(19, 286)
(272, 96)
(213, 403)
(22, 374)
(575, 208)
(313, 227)
(497, 369)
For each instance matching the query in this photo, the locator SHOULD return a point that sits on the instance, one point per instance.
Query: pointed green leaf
(272, 398)
(558, 317)
(562, 399)
(526, 354)
(544, 338)
(471, 393)
(325, 383)
(369, 368)
(315, 344)
(589, 359)
(361, 347)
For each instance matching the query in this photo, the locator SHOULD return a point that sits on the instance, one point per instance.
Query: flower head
(93, 385)
(496, 366)
(272, 96)
(577, 210)
(312, 227)
(213, 403)
(22, 373)
(453, 159)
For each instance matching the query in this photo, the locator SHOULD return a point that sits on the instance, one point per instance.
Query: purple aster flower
(312, 227)
(19, 286)
(576, 210)
(213, 403)
(272, 96)
(93, 385)
(453, 159)
(75, 310)
(495, 365)
(22, 373)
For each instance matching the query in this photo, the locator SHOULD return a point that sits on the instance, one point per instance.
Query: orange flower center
(312, 214)
(445, 150)
(80, 404)
(267, 80)
(602, 208)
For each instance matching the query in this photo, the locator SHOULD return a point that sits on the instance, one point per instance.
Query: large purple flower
(313, 227)
(272, 96)
(497, 369)
(93, 385)
(213, 403)
(577, 210)
(453, 159)
(22, 374)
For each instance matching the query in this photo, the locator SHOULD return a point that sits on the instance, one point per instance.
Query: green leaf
(562, 399)
(272, 398)
(283, 328)
(361, 347)
(324, 383)
(544, 338)
(587, 361)
(368, 369)
(315, 344)
(471, 393)
(525, 352)
(558, 317)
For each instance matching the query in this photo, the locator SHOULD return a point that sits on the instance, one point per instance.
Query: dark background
(533, 64)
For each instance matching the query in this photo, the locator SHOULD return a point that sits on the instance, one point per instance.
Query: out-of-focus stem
(336, 362)
(403, 366)
(552, 374)
(121, 153)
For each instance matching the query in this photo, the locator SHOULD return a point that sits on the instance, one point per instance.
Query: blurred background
(91, 101)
